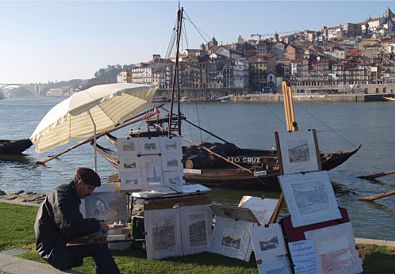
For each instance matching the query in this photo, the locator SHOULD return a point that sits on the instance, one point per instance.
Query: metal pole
(94, 138)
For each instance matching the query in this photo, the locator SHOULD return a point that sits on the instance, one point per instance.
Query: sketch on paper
(231, 239)
(172, 162)
(163, 234)
(310, 198)
(129, 163)
(268, 243)
(106, 206)
(152, 169)
(149, 145)
(171, 145)
(298, 151)
(130, 180)
(197, 229)
(127, 147)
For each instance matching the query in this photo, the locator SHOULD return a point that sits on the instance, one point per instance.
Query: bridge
(35, 89)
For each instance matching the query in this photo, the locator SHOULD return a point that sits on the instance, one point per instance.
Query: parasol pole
(94, 138)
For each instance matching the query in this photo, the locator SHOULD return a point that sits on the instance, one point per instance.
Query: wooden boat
(14, 146)
(207, 170)
(389, 98)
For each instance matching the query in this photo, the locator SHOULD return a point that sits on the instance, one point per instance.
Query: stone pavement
(10, 264)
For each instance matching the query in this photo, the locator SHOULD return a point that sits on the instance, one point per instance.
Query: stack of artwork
(327, 244)
(146, 163)
(232, 235)
(177, 231)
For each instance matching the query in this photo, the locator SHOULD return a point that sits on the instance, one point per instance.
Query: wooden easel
(291, 127)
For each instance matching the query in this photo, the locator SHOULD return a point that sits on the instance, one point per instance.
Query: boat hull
(14, 147)
(231, 177)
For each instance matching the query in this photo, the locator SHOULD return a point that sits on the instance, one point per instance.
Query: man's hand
(105, 227)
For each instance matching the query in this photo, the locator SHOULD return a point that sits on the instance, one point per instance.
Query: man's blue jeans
(101, 255)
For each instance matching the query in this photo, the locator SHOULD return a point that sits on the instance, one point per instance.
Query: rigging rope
(201, 32)
(330, 128)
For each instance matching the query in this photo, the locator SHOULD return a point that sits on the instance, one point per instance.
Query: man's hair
(87, 176)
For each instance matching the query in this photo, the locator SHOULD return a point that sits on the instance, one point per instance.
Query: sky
(54, 41)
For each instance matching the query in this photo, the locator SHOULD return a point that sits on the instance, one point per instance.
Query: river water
(340, 126)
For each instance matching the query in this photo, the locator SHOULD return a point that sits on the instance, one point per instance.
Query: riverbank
(17, 225)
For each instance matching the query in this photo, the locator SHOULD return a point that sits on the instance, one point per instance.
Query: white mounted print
(196, 228)
(298, 151)
(149, 145)
(173, 178)
(130, 164)
(231, 238)
(268, 242)
(127, 147)
(131, 180)
(172, 145)
(152, 169)
(172, 162)
(310, 198)
(163, 235)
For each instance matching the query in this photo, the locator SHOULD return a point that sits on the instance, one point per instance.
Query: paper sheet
(335, 246)
(262, 208)
(304, 257)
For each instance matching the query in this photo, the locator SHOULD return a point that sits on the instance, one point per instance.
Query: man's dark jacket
(57, 222)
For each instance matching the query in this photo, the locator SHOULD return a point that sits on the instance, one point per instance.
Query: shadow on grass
(379, 263)
(201, 259)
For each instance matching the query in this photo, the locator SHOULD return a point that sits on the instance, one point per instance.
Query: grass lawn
(16, 224)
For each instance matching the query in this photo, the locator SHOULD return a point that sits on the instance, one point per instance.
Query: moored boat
(14, 146)
(261, 166)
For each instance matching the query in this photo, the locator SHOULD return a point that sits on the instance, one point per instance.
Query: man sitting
(59, 221)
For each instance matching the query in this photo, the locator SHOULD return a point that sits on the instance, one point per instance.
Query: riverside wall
(278, 98)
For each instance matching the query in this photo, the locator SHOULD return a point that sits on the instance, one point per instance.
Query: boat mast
(176, 77)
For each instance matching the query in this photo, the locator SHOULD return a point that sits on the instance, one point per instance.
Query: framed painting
(310, 198)
(298, 151)
(196, 228)
(231, 238)
(163, 233)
